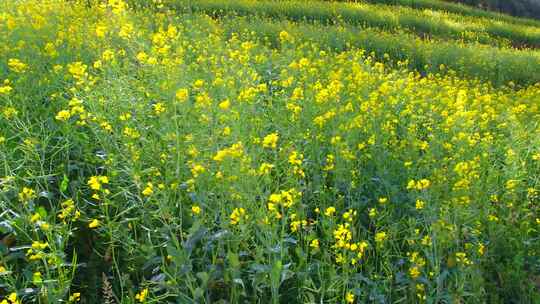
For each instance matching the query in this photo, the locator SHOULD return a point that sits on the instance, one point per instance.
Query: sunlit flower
(329, 211)
(380, 237)
(93, 224)
(237, 215)
(349, 297)
(142, 295)
(196, 210)
(148, 190)
(270, 140)
(63, 115)
(17, 65)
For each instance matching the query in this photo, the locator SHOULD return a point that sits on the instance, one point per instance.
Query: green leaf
(42, 212)
(64, 184)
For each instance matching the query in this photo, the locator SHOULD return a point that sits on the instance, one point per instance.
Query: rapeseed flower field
(160, 152)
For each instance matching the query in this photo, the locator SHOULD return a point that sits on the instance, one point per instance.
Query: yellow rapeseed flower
(148, 190)
(93, 224)
(330, 211)
(27, 195)
(380, 237)
(237, 215)
(142, 295)
(420, 204)
(17, 65)
(349, 297)
(75, 297)
(225, 104)
(270, 140)
(63, 115)
(196, 210)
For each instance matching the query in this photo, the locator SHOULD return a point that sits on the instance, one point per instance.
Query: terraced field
(206, 151)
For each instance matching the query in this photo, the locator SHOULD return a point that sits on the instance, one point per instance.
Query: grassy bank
(424, 23)
(498, 65)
